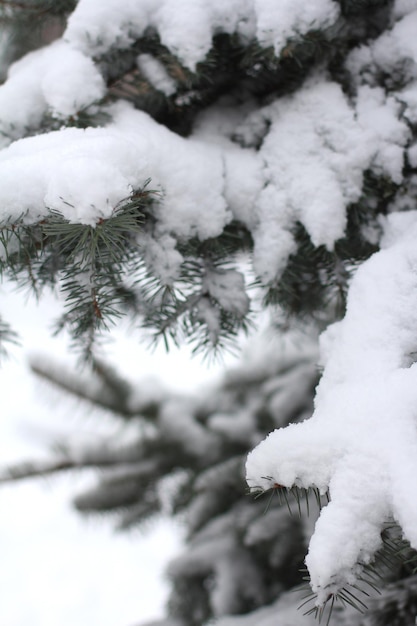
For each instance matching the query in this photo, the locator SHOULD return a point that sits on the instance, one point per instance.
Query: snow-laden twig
(361, 442)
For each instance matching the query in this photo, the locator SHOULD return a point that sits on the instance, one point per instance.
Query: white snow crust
(205, 180)
(278, 22)
(331, 156)
(57, 79)
(186, 27)
(204, 184)
(361, 442)
(84, 174)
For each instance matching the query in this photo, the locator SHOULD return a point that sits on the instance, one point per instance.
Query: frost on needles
(155, 141)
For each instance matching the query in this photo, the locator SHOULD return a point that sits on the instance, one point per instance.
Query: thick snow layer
(207, 179)
(186, 27)
(189, 174)
(278, 22)
(379, 116)
(361, 441)
(57, 79)
(398, 44)
(203, 183)
(393, 53)
(83, 174)
(331, 157)
(105, 165)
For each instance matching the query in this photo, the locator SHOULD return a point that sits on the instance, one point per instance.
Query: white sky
(56, 568)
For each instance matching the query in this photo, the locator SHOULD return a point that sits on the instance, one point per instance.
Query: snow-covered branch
(361, 441)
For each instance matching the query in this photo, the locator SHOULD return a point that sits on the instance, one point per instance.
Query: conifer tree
(155, 147)
(185, 457)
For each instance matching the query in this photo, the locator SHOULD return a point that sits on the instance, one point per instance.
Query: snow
(409, 97)
(71, 83)
(95, 27)
(393, 53)
(161, 256)
(361, 441)
(399, 44)
(189, 174)
(84, 174)
(216, 550)
(379, 114)
(155, 72)
(228, 289)
(186, 27)
(239, 430)
(106, 164)
(198, 181)
(249, 165)
(332, 158)
(279, 22)
(57, 79)
(404, 7)
(205, 180)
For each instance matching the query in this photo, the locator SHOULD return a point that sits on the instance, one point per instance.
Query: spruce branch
(96, 259)
(7, 336)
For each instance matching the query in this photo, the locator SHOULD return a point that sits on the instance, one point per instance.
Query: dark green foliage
(90, 262)
(361, 7)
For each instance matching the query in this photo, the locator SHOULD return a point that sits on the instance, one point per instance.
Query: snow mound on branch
(56, 79)
(189, 174)
(187, 27)
(83, 174)
(105, 165)
(394, 53)
(278, 22)
(203, 184)
(161, 256)
(379, 114)
(331, 156)
(361, 442)
(391, 48)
